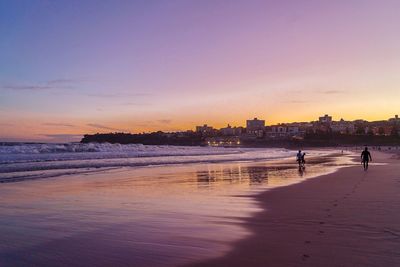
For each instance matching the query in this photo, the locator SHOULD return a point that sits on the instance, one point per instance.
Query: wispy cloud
(66, 81)
(143, 125)
(104, 127)
(296, 101)
(104, 95)
(331, 92)
(7, 124)
(134, 104)
(165, 121)
(56, 84)
(57, 124)
(153, 123)
(61, 135)
(118, 95)
(26, 87)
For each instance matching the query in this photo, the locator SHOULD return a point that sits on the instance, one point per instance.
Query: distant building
(238, 130)
(205, 130)
(342, 127)
(395, 120)
(279, 129)
(255, 126)
(325, 119)
(282, 131)
(380, 130)
(359, 121)
(231, 131)
(227, 131)
(293, 130)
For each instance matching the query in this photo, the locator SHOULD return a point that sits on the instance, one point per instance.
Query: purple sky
(74, 67)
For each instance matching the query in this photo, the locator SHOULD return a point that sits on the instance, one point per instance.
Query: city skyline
(195, 128)
(68, 68)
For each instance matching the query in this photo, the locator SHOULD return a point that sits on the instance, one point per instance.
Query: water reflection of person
(301, 171)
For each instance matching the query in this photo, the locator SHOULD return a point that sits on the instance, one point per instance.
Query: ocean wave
(26, 160)
(23, 153)
(101, 147)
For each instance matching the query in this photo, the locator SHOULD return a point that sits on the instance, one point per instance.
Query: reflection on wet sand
(234, 174)
(263, 173)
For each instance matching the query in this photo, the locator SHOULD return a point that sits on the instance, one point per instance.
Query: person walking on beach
(365, 158)
(299, 159)
(303, 160)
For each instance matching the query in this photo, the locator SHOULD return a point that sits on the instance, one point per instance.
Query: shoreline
(30, 170)
(340, 219)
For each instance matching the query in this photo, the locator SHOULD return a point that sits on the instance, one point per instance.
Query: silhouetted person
(298, 158)
(365, 158)
(303, 160)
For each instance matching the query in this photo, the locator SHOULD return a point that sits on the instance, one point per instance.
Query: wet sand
(348, 218)
(151, 216)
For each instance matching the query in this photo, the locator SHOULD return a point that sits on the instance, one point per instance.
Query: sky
(73, 67)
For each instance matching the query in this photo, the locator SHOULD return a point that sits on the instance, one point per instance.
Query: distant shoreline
(195, 139)
(271, 144)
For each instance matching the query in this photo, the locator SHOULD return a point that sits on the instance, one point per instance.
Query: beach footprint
(305, 257)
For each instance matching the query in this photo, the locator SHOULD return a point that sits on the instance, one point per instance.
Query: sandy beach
(348, 218)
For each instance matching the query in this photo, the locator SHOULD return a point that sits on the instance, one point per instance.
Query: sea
(21, 161)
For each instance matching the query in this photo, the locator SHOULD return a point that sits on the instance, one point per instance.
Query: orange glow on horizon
(50, 131)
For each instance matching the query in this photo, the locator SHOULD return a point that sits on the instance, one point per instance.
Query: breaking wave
(27, 161)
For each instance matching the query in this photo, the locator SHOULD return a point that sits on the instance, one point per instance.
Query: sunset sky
(74, 67)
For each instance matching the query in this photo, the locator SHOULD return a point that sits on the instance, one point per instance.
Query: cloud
(6, 124)
(331, 92)
(153, 123)
(295, 91)
(57, 124)
(26, 87)
(56, 84)
(117, 95)
(296, 101)
(143, 125)
(104, 95)
(65, 81)
(165, 121)
(134, 104)
(104, 127)
(62, 135)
